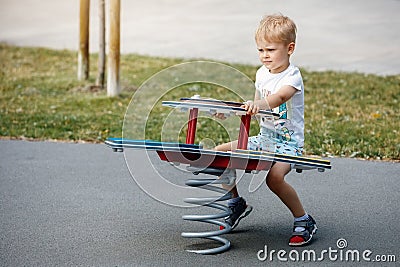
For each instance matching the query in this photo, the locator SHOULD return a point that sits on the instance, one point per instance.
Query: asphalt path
(67, 204)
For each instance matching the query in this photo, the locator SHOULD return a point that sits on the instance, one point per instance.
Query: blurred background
(358, 35)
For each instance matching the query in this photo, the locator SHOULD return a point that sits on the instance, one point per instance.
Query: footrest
(210, 171)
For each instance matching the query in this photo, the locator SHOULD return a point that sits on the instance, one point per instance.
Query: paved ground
(358, 35)
(76, 204)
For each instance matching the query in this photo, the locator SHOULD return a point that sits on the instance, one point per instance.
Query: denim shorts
(268, 140)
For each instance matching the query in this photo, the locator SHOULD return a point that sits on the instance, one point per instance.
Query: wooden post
(83, 53)
(102, 45)
(113, 87)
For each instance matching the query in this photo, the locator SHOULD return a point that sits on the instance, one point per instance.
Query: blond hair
(276, 28)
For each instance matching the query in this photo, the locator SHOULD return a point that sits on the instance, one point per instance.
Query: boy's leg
(276, 182)
(229, 147)
(304, 225)
(237, 204)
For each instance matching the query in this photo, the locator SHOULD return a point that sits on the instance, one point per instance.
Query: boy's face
(274, 55)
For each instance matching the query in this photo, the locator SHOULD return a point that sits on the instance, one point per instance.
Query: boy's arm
(271, 101)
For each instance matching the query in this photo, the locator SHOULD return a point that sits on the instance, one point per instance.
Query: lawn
(346, 114)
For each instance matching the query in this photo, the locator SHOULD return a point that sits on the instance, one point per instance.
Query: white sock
(229, 174)
(298, 219)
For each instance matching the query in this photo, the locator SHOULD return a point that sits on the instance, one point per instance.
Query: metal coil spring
(210, 218)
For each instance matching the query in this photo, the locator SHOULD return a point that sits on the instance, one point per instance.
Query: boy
(279, 86)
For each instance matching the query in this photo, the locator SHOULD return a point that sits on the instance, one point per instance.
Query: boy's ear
(291, 47)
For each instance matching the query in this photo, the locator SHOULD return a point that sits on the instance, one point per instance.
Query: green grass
(347, 114)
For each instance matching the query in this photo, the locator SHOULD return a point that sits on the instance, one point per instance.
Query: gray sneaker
(301, 238)
(239, 211)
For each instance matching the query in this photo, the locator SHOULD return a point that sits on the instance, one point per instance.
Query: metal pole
(244, 131)
(192, 123)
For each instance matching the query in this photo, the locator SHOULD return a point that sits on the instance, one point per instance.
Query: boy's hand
(251, 107)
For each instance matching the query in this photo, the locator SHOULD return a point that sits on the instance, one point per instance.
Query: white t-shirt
(290, 126)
